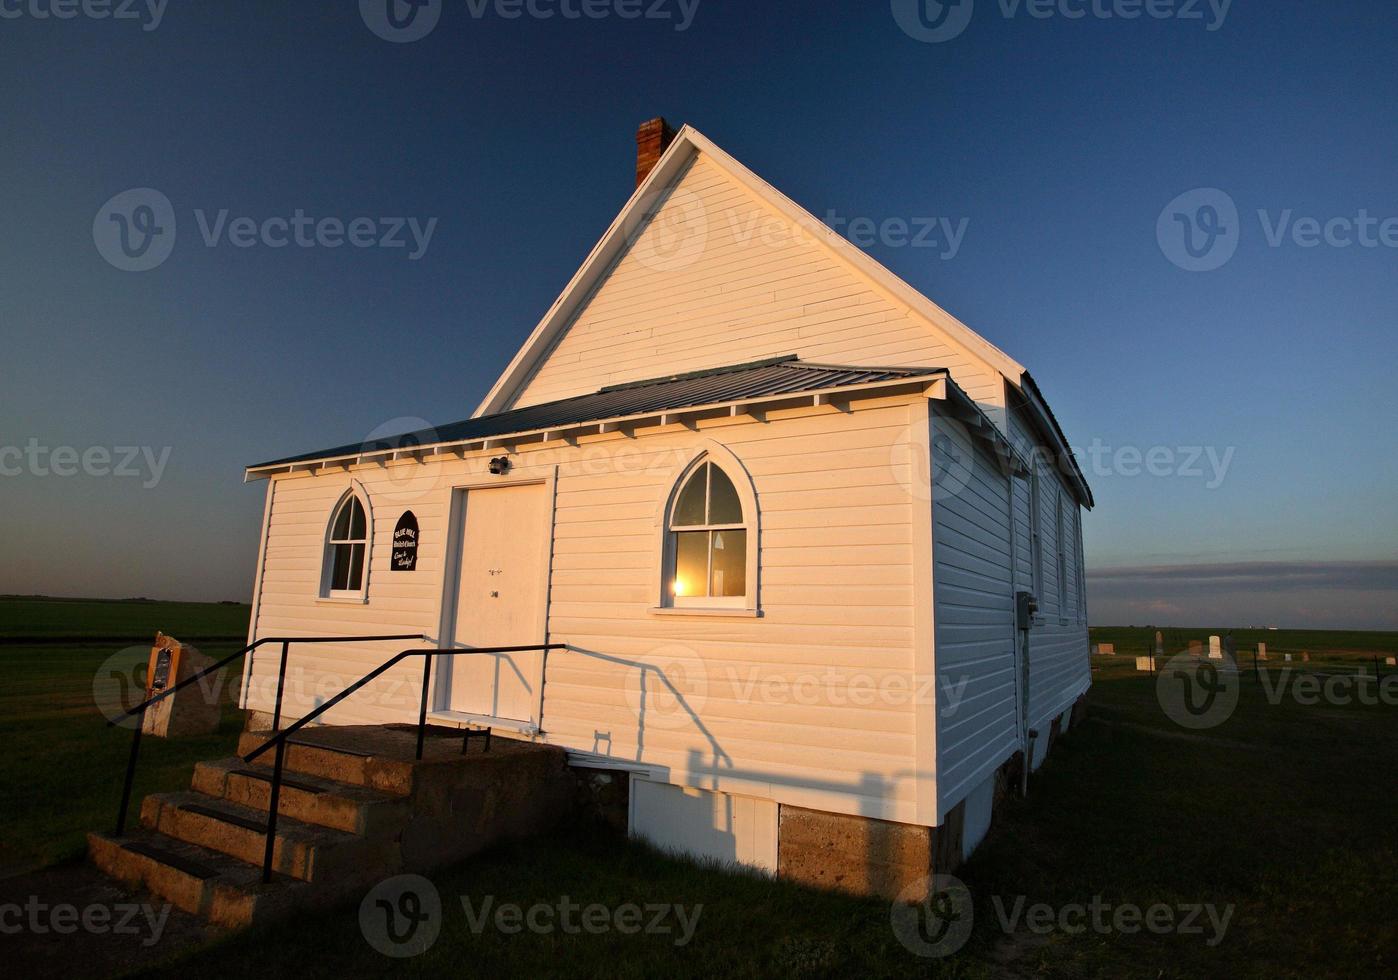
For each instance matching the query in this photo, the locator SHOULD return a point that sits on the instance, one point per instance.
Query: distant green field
(43, 619)
(1323, 645)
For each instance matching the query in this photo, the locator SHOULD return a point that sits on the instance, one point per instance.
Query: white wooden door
(500, 601)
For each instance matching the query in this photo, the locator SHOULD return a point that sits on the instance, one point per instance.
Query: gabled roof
(755, 381)
(688, 143)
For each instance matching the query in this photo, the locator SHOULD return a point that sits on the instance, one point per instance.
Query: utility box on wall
(192, 711)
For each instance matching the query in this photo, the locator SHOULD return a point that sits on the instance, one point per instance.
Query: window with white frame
(707, 541)
(1081, 564)
(346, 550)
(1061, 535)
(1036, 532)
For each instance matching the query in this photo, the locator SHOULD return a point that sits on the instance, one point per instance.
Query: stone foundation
(867, 856)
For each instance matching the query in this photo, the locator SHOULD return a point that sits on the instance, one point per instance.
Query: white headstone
(1288, 657)
(1159, 643)
(1215, 648)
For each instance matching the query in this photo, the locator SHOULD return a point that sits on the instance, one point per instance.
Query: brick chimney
(652, 140)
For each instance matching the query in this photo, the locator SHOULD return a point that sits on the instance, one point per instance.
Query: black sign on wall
(405, 537)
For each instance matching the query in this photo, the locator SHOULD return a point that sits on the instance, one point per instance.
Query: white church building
(775, 505)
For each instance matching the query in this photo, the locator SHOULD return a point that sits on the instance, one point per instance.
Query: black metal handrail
(286, 641)
(280, 736)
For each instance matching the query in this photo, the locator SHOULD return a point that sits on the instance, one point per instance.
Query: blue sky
(1058, 141)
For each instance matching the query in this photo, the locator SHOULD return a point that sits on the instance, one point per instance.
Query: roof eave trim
(1048, 426)
(926, 382)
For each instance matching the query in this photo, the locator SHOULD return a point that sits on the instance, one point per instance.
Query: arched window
(346, 550)
(707, 542)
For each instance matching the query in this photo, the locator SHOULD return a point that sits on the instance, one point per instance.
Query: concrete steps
(307, 798)
(305, 851)
(355, 807)
(221, 889)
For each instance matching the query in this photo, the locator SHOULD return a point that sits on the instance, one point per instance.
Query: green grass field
(1283, 815)
(41, 619)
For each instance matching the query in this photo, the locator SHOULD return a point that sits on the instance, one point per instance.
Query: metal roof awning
(734, 389)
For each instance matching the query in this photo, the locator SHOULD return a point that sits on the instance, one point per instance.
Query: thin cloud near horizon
(1297, 594)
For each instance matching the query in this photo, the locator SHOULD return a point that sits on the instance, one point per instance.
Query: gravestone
(1109, 649)
(1196, 648)
(1288, 657)
(1392, 661)
(1143, 663)
(1159, 643)
(1261, 651)
(1305, 657)
(1215, 648)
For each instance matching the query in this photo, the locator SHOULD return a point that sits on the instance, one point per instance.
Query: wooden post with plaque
(195, 710)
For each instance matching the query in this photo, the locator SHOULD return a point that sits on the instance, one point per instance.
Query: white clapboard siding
(1059, 670)
(753, 284)
(810, 704)
(973, 613)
